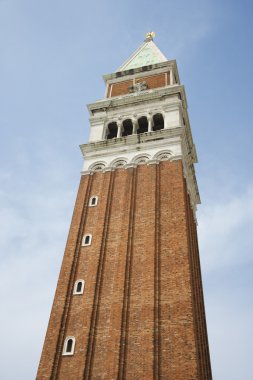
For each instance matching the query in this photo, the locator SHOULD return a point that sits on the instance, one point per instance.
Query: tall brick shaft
(129, 299)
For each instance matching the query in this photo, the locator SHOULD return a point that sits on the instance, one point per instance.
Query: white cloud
(226, 240)
(230, 328)
(225, 230)
(34, 222)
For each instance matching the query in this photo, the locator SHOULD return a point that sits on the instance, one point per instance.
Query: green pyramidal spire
(147, 54)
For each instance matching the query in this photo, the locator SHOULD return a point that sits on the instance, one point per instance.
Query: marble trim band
(146, 159)
(123, 162)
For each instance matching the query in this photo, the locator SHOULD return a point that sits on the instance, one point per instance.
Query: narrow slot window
(93, 201)
(86, 240)
(69, 346)
(79, 287)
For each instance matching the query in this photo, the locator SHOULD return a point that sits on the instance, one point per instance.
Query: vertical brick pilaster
(50, 358)
(127, 284)
(157, 281)
(204, 366)
(142, 312)
(98, 287)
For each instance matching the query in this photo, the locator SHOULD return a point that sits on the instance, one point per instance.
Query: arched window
(141, 159)
(69, 346)
(97, 166)
(143, 125)
(93, 201)
(79, 287)
(163, 156)
(86, 240)
(158, 122)
(112, 130)
(127, 127)
(119, 163)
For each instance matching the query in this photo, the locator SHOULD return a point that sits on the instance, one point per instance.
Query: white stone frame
(167, 153)
(84, 238)
(75, 292)
(117, 160)
(94, 166)
(136, 159)
(64, 351)
(90, 201)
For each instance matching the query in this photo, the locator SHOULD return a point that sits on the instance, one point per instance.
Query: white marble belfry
(172, 141)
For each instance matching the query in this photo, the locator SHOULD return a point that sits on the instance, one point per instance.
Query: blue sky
(53, 56)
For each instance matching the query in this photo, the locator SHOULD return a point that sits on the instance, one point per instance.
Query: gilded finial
(150, 36)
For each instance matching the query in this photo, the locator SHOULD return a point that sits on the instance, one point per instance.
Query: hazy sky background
(52, 58)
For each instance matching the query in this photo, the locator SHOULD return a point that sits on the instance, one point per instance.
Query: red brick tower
(129, 300)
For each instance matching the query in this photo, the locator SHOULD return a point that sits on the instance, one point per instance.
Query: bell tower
(129, 299)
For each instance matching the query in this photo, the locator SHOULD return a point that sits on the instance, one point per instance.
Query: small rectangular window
(79, 287)
(86, 240)
(93, 201)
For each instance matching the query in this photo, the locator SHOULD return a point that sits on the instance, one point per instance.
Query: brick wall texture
(141, 315)
(152, 81)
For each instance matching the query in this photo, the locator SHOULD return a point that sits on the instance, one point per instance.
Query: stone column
(105, 131)
(150, 123)
(171, 77)
(135, 125)
(119, 124)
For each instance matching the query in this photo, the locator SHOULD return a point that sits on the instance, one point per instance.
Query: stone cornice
(172, 105)
(137, 145)
(149, 95)
(142, 69)
(132, 140)
(141, 74)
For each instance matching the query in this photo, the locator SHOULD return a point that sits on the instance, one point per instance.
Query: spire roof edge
(147, 54)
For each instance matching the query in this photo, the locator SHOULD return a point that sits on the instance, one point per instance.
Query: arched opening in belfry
(127, 127)
(112, 130)
(142, 125)
(158, 122)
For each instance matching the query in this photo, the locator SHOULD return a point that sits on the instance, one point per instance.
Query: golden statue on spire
(150, 36)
